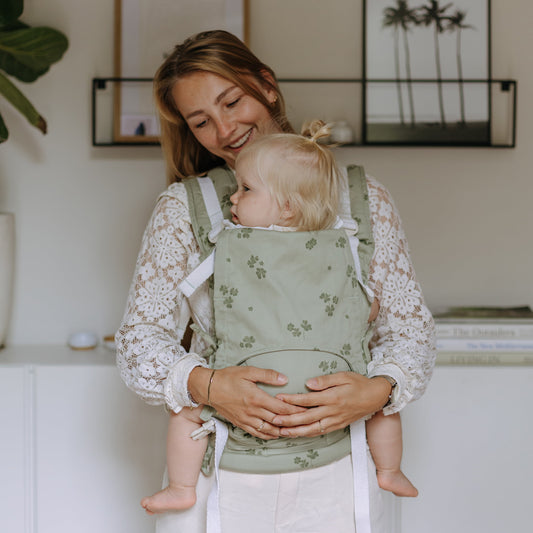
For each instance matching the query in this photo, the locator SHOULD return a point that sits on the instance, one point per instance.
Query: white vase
(7, 262)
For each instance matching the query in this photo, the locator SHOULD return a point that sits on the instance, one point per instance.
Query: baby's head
(287, 180)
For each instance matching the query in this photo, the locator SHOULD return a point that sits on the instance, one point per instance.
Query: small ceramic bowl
(83, 340)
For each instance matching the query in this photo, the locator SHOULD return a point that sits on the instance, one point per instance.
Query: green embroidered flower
(306, 326)
(341, 242)
(259, 270)
(311, 243)
(296, 332)
(247, 342)
(346, 350)
(244, 233)
(229, 293)
(330, 308)
(328, 367)
(350, 272)
(306, 462)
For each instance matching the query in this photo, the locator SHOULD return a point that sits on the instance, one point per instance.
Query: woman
(215, 97)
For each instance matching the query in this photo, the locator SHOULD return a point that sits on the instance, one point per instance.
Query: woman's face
(222, 117)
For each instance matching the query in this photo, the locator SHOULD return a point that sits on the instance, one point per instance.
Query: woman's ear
(268, 87)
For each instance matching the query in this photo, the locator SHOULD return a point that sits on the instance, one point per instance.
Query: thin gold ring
(320, 425)
(261, 426)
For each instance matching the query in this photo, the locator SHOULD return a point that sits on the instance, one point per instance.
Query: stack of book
(485, 335)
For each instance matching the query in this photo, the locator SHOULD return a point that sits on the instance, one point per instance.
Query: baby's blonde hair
(300, 172)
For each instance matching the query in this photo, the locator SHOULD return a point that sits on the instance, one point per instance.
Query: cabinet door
(99, 450)
(15, 435)
(467, 447)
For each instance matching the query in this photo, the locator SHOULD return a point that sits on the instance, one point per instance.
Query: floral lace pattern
(153, 363)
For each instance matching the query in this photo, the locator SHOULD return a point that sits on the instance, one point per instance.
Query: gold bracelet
(209, 387)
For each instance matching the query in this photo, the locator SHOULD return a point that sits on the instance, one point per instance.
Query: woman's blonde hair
(298, 172)
(221, 53)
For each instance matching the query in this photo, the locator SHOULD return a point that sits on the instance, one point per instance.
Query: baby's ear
(287, 213)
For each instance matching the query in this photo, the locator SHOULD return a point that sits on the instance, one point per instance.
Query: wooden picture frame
(145, 32)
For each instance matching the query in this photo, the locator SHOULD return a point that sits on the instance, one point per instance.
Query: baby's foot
(171, 498)
(397, 483)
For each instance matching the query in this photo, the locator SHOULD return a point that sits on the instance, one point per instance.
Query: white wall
(81, 210)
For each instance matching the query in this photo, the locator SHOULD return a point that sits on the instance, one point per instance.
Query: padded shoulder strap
(361, 214)
(225, 185)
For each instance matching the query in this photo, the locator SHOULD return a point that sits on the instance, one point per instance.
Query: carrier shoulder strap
(223, 180)
(360, 210)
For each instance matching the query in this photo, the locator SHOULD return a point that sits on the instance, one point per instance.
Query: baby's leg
(384, 435)
(184, 461)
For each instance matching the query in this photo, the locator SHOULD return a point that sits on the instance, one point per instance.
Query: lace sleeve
(403, 345)
(149, 356)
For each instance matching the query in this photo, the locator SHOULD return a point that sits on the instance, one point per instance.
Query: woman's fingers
(235, 395)
(339, 400)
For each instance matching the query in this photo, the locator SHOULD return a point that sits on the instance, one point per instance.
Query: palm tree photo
(402, 18)
(456, 23)
(434, 14)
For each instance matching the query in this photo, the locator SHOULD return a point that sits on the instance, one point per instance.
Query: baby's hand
(374, 311)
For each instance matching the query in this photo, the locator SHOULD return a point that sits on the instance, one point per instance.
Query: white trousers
(319, 500)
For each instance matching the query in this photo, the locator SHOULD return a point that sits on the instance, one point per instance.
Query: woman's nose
(225, 128)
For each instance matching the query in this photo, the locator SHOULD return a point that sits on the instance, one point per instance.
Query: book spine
(485, 345)
(485, 358)
(476, 330)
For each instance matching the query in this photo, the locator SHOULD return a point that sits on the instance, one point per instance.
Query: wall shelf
(479, 113)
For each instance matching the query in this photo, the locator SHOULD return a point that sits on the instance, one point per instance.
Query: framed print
(146, 31)
(427, 72)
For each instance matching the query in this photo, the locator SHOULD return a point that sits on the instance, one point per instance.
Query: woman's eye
(201, 124)
(245, 188)
(234, 102)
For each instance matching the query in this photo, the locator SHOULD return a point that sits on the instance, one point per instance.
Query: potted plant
(26, 53)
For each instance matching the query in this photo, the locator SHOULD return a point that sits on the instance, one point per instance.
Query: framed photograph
(427, 72)
(146, 31)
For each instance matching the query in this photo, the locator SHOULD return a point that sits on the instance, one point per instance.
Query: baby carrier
(296, 302)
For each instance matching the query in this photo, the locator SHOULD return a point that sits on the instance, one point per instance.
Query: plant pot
(7, 262)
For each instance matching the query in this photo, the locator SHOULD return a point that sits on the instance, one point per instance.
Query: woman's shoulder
(175, 191)
(172, 205)
(379, 197)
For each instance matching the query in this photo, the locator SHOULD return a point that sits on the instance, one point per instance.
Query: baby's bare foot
(397, 483)
(171, 498)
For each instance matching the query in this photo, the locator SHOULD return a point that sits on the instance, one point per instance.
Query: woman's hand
(339, 399)
(235, 396)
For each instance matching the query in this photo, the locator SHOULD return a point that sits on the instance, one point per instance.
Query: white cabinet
(13, 465)
(78, 449)
(467, 447)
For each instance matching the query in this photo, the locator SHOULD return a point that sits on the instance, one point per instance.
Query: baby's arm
(184, 461)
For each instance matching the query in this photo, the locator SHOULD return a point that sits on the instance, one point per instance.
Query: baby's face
(253, 205)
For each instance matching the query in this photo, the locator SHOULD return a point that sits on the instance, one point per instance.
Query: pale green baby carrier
(296, 302)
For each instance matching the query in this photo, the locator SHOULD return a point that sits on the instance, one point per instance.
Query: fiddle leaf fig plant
(26, 53)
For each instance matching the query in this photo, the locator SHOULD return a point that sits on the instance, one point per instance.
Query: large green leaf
(3, 130)
(10, 10)
(18, 100)
(29, 52)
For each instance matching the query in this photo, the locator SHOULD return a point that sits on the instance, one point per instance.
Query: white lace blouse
(154, 364)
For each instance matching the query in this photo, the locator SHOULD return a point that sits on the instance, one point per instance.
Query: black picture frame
(427, 72)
